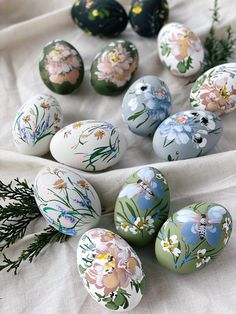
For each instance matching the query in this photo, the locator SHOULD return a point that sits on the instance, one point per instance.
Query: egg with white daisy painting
(146, 104)
(193, 236)
(142, 206)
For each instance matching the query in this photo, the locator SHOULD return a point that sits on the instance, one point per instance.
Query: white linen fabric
(51, 284)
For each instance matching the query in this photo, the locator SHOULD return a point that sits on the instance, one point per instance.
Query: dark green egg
(148, 16)
(61, 67)
(104, 18)
(113, 68)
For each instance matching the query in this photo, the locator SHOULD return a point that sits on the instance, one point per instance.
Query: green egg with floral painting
(103, 18)
(193, 236)
(114, 67)
(142, 206)
(61, 67)
(148, 16)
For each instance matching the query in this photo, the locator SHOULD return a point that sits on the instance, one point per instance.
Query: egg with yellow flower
(36, 122)
(110, 270)
(104, 18)
(114, 67)
(66, 200)
(88, 145)
(148, 16)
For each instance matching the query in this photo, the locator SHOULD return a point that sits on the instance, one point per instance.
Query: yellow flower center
(166, 244)
(171, 249)
(224, 92)
(123, 225)
(139, 224)
(171, 242)
(95, 13)
(77, 125)
(137, 9)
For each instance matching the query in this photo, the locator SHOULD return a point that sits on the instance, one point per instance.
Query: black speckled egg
(61, 67)
(148, 16)
(104, 18)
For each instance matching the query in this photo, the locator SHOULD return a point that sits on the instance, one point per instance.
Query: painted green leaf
(130, 209)
(135, 115)
(112, 306)
(119, 300)
(142, 286)
(81, 269)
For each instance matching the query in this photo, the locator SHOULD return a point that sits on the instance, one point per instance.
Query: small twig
(50, 235)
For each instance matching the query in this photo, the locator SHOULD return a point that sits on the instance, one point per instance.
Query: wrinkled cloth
(51, 284)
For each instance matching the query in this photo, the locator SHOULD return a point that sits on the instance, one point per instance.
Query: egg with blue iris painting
(36, 122)
(66, 200)
(193, 236)
(142, 206)
(146, 104)
(187, 134)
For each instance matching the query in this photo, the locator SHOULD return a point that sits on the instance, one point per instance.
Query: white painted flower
(199, 140)
(202, 259)
(133, 230)
(168, 245)
(124, 227)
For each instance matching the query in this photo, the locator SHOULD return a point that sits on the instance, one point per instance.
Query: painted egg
(110, 270)
(61, 67)
(180, 50)
(88, 145)
(100, 17)
(114, 67)
(142, 206)
(146, 104)
(35, 124)
(192, 237)
(66, 200)
(187, 134)
(148, 16)
(215, 90)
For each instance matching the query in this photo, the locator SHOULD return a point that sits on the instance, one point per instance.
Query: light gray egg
(146, 104)
(187, 134)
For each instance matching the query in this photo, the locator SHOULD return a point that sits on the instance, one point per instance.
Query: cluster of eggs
(190, 238)
(109, 268)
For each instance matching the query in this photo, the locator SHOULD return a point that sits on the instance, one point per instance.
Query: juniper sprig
(49, 235)
(18, 212)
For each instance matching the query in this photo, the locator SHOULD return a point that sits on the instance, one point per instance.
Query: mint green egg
(193, 236)
(142, 206)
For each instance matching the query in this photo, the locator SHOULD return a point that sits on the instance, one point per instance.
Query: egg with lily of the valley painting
(146, 104)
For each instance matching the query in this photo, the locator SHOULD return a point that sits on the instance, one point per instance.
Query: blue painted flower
(180, 127)
(146, 189)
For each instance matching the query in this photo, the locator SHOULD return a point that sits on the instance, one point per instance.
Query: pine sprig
(50, 235)
(17, 214)
(218, 51)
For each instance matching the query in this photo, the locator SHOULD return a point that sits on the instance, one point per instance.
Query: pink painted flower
(184, 43)
(112, 268)
(220, 96)
(116, 66)
(62, 65)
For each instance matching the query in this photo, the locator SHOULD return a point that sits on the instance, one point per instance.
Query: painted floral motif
(38, 119)
(199, 234)
(69, 205)
(202, 259)
(116, 65)
(215, 91)
(147, 17)
(178, 46)
(111, 271)
(194, 127)
(156, 104)
(63, 64)
(169, 245)
(99, 131)
(142, 205)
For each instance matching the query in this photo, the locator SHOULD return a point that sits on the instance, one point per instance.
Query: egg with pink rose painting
(180, 49)
(61, 67)
(215, 90)
(110, 270)
(114, 67)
